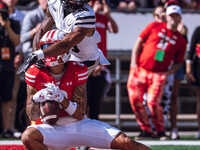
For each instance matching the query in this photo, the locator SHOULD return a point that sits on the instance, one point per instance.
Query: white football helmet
(49, 38)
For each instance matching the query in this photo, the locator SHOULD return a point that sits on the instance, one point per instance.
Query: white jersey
(85, 17)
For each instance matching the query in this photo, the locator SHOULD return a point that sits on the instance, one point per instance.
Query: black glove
(40, 64)
(29, 62)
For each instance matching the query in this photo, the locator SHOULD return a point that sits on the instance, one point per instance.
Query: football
(49, 111)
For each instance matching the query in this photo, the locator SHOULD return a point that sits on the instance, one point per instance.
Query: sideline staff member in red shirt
(155, 48)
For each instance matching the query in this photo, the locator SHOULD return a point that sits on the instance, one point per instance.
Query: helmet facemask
(54, 61)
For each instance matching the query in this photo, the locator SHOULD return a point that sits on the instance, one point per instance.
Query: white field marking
(146, 142)
(11, 142)
(171, 142)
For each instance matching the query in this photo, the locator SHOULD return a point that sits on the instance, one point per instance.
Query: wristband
(188, 61)
(40, 54)
(71, 108)
(37, 103)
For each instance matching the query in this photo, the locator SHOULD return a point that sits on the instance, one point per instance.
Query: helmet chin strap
(53, 63)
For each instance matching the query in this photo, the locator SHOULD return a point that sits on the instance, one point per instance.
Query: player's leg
(33, 139)
(123, 142)
(98, 134)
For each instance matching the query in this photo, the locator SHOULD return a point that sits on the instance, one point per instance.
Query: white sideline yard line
(146, 142)
(10, 142)
(155, 143)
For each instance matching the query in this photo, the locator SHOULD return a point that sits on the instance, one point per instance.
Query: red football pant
(139, 82)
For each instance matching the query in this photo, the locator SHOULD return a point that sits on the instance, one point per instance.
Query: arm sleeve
(85, 18)
(195, 39)
(31, 76)
(81, 74)
(145, 33)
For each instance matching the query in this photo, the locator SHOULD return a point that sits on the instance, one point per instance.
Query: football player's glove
(42, 96)
(30, 61)
(55, 91)
(37, 55)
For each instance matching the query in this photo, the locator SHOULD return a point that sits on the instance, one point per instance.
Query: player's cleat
(144, 135)
(29, 62)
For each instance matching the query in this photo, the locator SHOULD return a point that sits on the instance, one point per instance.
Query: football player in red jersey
(65, 82)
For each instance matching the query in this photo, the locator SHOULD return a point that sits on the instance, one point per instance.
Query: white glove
(55, 92)
(42, 96)
(40, 54)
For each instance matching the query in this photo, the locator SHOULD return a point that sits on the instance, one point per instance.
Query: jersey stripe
(87, 17)
(33, 81)
(85, 20)
(82, 74)
(29, 75)
(91, 23)
(83, 78)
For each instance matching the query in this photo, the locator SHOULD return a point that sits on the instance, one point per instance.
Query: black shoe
(144, 135)
(11, 133)
(15, 133)
(162, 136)
(6, 134)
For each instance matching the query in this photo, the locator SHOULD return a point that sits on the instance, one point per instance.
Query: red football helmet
(49, 38)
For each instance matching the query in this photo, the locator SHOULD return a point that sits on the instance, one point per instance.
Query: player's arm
(80, 98)
(72, 39)
(32, 109)
(46, 25)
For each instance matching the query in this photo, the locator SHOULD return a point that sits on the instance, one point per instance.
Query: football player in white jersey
(73, 128)
(77, 19)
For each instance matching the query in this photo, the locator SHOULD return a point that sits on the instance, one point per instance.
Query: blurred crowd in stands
(129, 5)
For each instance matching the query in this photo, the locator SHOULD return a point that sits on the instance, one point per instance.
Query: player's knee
(26, 137)
(30, 135)
(122, 142)
(128, 142)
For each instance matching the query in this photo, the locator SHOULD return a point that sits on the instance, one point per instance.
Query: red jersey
(156, 38)
(75, 74)
(102, 26)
